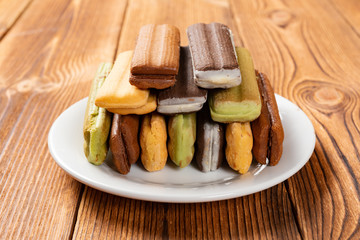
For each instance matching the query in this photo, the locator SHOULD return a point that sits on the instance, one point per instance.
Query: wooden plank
(10, 11)
(47, 62)
(103, 216)
(311, 54)
(263, 215)
(349, 12)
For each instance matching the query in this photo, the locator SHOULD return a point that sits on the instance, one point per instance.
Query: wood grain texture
(50, 53)
(310, 50)
(263, 215)
(267, 214)
(10, 12)
(349, 12)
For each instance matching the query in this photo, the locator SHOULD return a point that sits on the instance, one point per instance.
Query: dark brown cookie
(267, 129)
(211, 47)
(124, 143)
(184, 96)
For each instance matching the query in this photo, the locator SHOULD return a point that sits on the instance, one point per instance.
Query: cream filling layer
(212, 147)
(223, 78)
(179, 108)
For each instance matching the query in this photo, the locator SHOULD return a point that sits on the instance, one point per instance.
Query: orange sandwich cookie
(239, 142)
(117, 92)
(153, 138)
(149, 107)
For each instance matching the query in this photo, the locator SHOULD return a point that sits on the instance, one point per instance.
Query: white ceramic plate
(173, 184)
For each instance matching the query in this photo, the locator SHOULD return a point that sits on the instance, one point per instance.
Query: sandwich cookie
(116, 91)
(239, 142)
(213, 54)
(185, 96)
(149, 107)
(268, 130)
(182, 136)
(156, 57)
(241, 103)
(124, 143)
(97, 121)
(210, 141)
(153, 138)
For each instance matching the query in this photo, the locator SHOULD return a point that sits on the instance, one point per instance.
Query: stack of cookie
(202, 101)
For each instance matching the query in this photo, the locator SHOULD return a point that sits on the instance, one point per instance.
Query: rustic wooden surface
(49, 52)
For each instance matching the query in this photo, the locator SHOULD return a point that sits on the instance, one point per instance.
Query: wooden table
(49, 53)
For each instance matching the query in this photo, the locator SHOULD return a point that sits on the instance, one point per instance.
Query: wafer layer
(185, 96)
(97, 121)
(117, 92)
(149, 107)
(213, 54)
(124, 143)
(153, 138)
(210, 141)
(157, 50)
(241, 103)
(268, 130)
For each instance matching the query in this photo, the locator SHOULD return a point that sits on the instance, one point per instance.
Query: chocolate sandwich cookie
(267, 129)
(185, 96)
(124, 143)
(213, 54)
(155, 62)
(210, 141)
